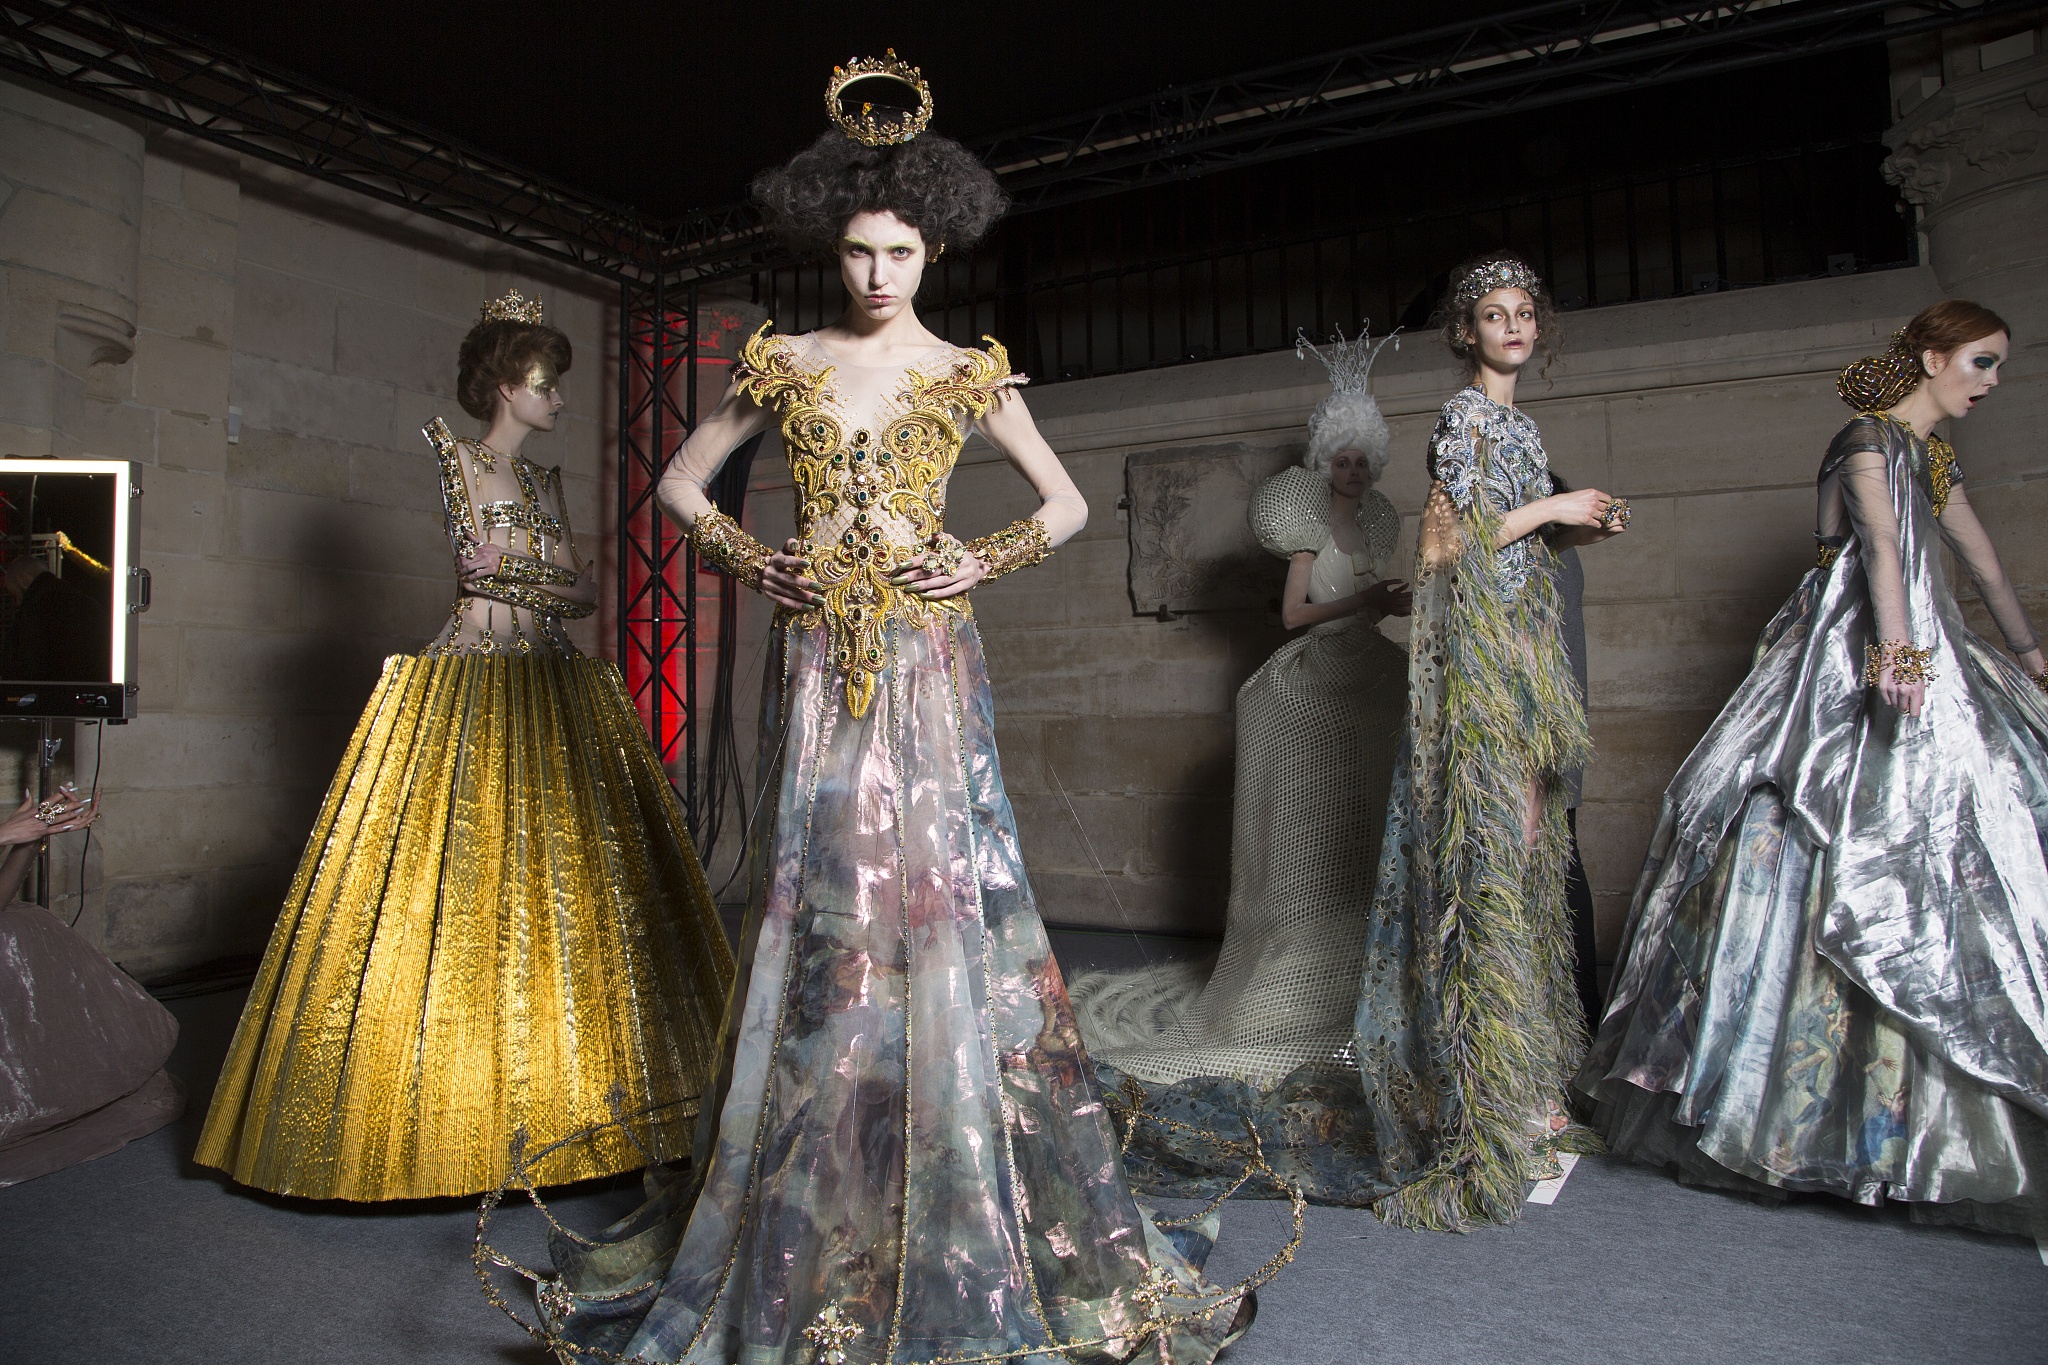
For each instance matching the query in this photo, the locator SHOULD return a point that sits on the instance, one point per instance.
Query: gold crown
(866, 129)
(513, 308)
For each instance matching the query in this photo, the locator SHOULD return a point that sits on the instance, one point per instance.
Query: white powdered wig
(1348, 419)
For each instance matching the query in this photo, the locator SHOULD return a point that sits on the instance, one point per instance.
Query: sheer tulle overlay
(911, 1151)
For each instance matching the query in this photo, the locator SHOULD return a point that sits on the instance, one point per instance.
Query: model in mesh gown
(911, 1162)
(1267, 1032)
(499, 933)
(1832, 977)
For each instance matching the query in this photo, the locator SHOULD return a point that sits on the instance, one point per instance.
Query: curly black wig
(931, 182)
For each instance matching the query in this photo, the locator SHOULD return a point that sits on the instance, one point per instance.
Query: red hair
(1950, 325)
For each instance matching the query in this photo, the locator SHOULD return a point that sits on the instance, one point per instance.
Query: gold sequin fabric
(870, 496)
(498, 928)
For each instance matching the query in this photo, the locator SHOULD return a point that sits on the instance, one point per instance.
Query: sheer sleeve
(1966, 537)
(1867, 493)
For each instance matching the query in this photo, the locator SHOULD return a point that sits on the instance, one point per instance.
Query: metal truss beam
(1547, 54)
(1542, 55)
(111, 55)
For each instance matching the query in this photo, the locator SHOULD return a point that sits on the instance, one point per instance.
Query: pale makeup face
(536, 401)
(1349, 473)
(1958, 380)
(881, 260)
(1505, 332)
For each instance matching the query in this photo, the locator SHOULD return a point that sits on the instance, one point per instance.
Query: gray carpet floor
(142, 1257)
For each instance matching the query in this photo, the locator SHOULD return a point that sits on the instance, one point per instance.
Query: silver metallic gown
(1835, 972)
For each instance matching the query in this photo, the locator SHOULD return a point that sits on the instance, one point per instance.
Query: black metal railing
(1117, 286)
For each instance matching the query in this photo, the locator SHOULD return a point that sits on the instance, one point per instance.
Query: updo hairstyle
(931, 182)
(501, 351)
(1950, 325)
(1459, 308)
(1878, 382)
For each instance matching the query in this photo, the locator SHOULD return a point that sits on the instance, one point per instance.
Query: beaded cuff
(1824, 556)
(2040, 680)
(1018, 545)
(721, 543)
(1908, 664)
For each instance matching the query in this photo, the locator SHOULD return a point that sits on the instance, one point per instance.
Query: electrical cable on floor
(99, 749)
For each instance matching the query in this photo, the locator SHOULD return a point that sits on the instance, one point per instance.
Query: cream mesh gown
(1317, 730)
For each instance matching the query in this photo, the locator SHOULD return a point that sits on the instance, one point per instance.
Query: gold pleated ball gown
(499, 929)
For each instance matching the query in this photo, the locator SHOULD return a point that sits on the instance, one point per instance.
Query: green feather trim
(1493, 928)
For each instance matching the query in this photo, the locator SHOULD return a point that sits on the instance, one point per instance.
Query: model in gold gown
(499, 933)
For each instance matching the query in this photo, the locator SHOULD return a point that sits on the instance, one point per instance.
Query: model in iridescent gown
(1265, 1036)
(499, 933)
(1835, 972)
(912, 1162)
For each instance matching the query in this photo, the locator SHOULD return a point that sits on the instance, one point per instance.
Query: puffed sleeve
(1381, 524)
(1290, 513)
(1454, 449)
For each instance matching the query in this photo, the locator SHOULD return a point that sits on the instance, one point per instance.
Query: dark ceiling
(666, 107)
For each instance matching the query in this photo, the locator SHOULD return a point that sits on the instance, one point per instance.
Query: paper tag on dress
(1546, 1191)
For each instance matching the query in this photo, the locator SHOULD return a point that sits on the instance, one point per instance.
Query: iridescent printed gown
(499, 931)
(1835, 973)
(911, 1142)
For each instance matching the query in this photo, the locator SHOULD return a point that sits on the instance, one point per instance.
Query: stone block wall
(284, 344)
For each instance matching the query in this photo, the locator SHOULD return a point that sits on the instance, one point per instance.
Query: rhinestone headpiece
(865, 128)
(1503, 272)
(1878, 382)
(513, 308)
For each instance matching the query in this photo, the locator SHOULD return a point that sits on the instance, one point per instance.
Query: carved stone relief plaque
(1191, 548)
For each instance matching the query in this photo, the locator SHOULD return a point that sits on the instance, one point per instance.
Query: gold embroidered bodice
(510, 611)
(870, 480)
